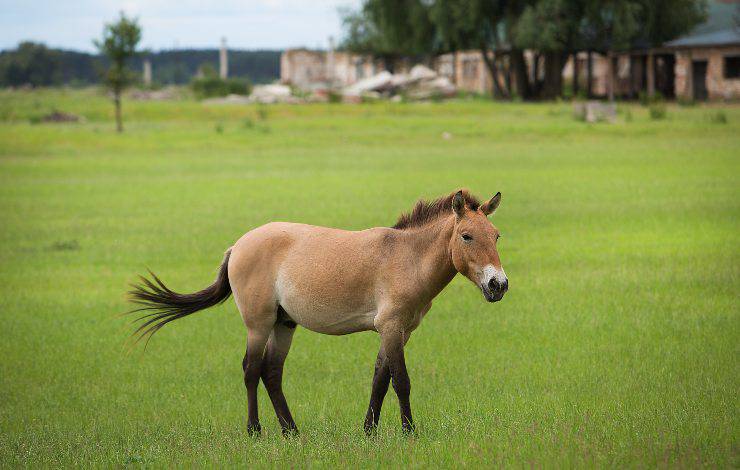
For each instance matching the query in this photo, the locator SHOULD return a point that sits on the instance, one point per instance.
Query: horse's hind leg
(252, 280)
(272, 373)
(252, 366)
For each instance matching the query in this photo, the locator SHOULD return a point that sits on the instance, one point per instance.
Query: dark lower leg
(252, 366)
(381, 380)
(272, 377)
(401, 385)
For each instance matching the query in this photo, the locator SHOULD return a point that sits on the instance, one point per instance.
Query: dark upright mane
(427, 211)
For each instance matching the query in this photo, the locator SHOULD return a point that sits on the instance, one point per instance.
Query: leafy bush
(209, 86)
(474, 96)
(299, 93)
(718, 117)
(334, 96)
(658, 111)
(656, 105)
(642, 97)
(369, 98)
(647, 100)
(262, 112)
(568, 93)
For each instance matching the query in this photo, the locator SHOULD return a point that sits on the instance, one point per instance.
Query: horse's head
(473, 246)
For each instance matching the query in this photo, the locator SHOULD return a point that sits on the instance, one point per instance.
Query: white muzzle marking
(492, 272)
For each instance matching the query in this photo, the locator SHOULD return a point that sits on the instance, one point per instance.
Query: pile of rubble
(164, 94)
(274, 93)
(265, 94)
(595, 111)
(228, 99)
(421, 83)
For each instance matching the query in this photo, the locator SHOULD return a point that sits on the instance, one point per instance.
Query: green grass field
(617, 345)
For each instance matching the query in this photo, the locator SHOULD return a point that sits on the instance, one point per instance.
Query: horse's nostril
(495, 286)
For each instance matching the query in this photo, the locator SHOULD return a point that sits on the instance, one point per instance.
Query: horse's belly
(326, 312)
(330, 322)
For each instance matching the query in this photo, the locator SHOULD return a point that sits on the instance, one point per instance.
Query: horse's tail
(166, 305)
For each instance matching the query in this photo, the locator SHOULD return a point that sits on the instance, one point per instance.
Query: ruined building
(705, 64)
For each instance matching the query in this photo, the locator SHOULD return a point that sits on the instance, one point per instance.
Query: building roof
(717, 38)
(720, 28)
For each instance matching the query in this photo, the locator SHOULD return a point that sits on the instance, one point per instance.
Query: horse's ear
(458, 204)
(490, 207)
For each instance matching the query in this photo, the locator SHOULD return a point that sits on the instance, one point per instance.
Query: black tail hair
(166, 305)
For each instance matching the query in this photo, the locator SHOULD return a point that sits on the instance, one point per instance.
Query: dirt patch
(59, 116)
(64, 245)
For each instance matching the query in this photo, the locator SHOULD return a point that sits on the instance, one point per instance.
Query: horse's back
(282, 236)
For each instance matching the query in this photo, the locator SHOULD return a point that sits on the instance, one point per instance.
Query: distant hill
(35, 64)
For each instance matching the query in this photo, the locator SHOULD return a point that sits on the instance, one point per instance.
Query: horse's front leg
(393, 340)
(381, 380)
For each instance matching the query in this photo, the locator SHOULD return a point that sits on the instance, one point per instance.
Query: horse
(337, 282)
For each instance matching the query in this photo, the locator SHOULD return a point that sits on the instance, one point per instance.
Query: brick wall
(718, 87)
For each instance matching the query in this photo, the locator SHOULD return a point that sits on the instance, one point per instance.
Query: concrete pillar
(330, 62)
(689, 93)
(576, 72)
(458, 70)
(147, 73)
(223, 61)
(285, 71)
(589, 74)
(454, 68)
(610, 75)
(650, 70)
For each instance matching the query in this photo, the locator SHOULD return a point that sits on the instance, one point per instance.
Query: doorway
(699, 79)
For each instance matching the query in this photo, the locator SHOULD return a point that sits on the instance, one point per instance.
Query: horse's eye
(466, 237)
(498, 236)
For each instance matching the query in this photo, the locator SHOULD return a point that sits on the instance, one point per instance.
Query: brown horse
(337, 282)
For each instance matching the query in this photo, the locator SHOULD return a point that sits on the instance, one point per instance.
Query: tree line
(552, 29)
(35, 64)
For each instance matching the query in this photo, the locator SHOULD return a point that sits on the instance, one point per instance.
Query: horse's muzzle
(494, 290)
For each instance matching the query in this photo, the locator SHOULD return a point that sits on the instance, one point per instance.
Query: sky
(167, 24)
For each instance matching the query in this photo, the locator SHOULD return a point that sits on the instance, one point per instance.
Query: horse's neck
(431, 247)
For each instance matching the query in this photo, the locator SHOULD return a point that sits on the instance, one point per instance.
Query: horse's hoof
(409, 430)
(290, 432)
(371, 429)
(254, 430)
